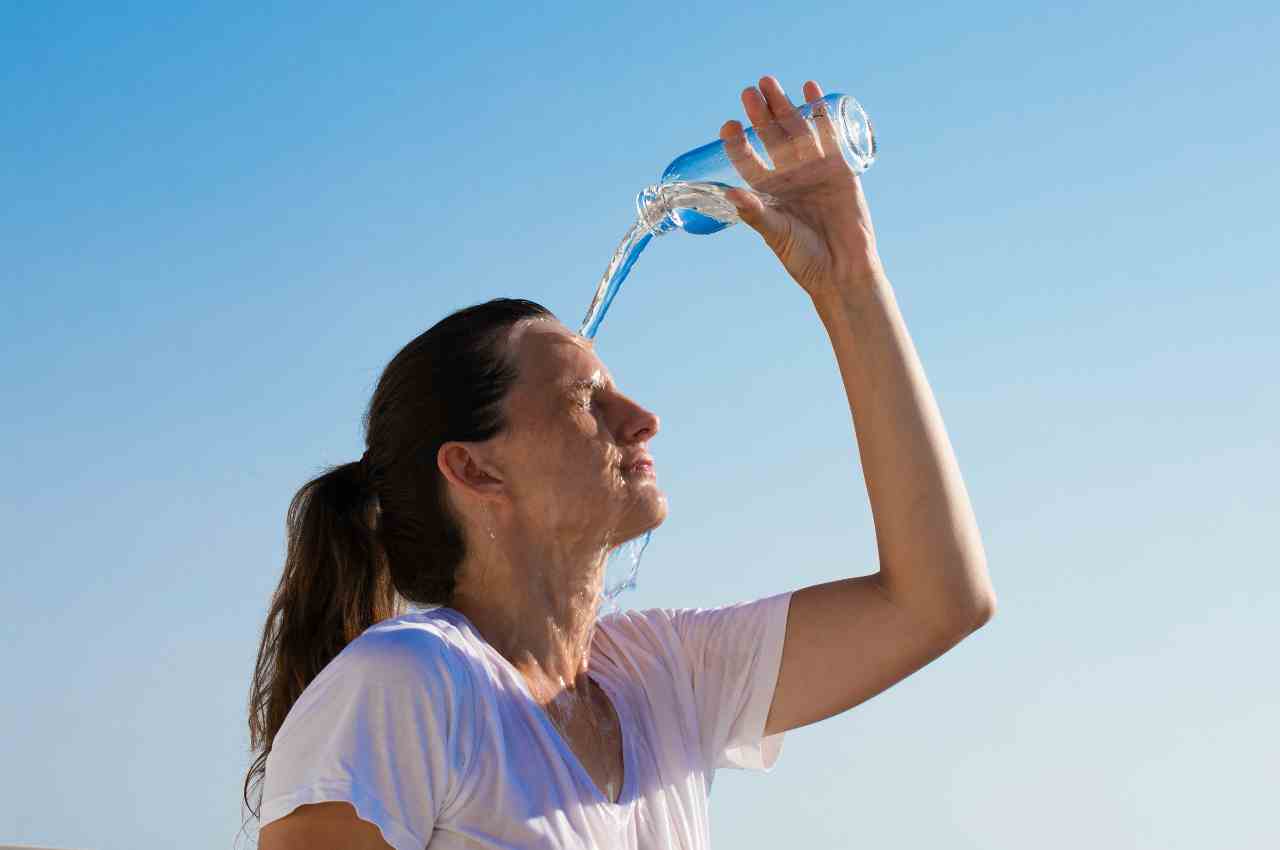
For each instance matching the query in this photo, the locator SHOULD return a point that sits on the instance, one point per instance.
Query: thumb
(769, 223)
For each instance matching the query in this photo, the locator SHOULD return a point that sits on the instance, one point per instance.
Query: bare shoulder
(321, 826)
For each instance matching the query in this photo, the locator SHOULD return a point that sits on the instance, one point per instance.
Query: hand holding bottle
(817, 221)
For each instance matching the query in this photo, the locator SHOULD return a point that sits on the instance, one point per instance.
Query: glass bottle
(690, 195)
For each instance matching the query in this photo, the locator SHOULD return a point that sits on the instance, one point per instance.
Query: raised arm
(848, 640)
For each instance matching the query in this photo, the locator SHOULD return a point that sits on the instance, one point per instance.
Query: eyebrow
(588, 384)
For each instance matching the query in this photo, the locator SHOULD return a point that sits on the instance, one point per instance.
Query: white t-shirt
(433, 736)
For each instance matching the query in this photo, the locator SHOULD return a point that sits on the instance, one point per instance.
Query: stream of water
(693, 207)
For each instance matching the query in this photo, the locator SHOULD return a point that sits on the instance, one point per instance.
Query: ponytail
(335, 585)
(367, 536)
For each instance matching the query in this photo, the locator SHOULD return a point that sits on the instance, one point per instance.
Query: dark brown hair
(367, 535)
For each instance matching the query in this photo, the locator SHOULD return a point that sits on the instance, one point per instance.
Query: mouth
(640, 467)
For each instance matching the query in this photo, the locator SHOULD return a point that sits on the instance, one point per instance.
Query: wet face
(572, 436)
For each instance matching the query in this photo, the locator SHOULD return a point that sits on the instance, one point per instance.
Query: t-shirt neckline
(627, 794)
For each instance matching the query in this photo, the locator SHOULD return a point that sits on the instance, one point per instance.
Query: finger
(780, 105)
(744, 200)
(823, 121)
(801, 141)
(757, 109)
(770, 133)
(741, 154)
(769, 223)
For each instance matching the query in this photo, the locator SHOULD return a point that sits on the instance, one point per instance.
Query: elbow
(961, 619)
(982, 610)
(981, 596)
(961, 606)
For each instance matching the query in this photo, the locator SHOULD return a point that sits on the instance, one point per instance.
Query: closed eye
(586, 390)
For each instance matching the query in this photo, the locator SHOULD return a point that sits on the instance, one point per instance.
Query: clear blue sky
(219, 221)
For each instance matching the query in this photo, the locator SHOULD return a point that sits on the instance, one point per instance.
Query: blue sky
(221, 220)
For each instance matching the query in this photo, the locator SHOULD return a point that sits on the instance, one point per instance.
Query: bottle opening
(654, 210)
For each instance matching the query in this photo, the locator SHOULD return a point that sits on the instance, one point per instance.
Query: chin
(657, 513)
(647, 516)
(662, 510)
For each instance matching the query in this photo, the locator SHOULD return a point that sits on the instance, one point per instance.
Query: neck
(536, 606)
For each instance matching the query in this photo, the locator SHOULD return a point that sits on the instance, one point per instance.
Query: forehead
(548, 353)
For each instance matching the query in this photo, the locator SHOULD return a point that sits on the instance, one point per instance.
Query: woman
(503, 464)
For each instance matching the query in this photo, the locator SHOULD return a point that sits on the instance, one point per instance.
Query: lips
(638, 463)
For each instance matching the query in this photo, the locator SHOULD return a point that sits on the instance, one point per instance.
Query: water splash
(691, 206)
(620, 572)
(619, 267)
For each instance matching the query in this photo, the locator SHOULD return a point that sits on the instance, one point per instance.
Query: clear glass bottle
(690, 196)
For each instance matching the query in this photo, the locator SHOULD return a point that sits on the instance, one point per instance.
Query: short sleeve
(734, 653)
(379, 728)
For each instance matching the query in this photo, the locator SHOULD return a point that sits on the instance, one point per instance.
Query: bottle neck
(654, 210)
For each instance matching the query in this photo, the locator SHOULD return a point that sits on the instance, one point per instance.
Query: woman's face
(572, 437)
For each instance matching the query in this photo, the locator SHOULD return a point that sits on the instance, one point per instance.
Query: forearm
(931, 554)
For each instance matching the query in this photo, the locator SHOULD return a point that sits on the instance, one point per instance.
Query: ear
(468, 466)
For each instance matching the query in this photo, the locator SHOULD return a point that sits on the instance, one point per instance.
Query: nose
(641, 425)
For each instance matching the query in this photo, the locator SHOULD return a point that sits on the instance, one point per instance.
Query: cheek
(576, 456)
(574, 459)
(594, 466)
